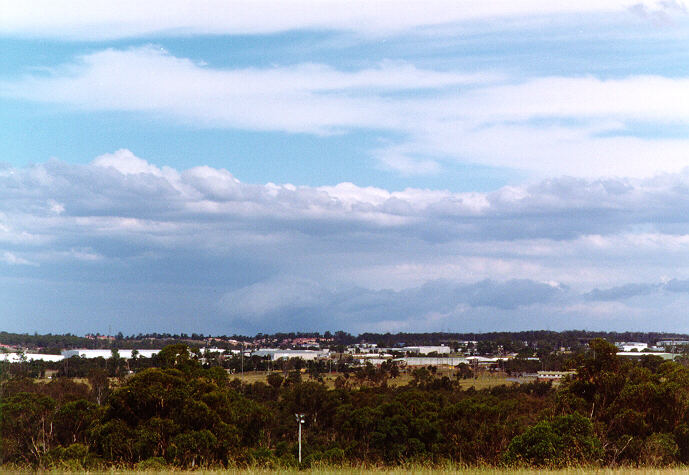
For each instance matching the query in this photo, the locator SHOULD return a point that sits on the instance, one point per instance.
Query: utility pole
(300, 421)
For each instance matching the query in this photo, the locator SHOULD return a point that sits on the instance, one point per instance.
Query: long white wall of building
(125, 354)
(17, 357)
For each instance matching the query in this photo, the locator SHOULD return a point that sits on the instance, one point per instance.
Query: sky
(226, 167)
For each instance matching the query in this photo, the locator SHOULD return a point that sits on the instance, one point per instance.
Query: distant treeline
(185, 411)
(508, 340)
(553, 339)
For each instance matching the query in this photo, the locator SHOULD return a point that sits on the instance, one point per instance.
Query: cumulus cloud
(579, 126)
(122, 190)
(258, 257)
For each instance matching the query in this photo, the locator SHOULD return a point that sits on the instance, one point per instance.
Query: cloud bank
(99, 20)
(199, 248)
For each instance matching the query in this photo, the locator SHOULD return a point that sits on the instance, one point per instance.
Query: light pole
(300, 421)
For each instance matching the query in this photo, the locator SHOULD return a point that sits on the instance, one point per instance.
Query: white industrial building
(631, 346)
(666, 343)
(19, 357)
(363, 348)
(425, 350)
(431, 361)
(638, 354)
(277, 354)
(125, 354)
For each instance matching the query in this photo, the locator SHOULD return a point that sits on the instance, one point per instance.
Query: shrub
(563, 441)
(659, 449)
(153, 464)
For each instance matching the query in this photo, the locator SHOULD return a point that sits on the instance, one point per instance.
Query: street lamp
(300, 421)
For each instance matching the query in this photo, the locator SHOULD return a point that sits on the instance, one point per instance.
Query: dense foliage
(186, 411)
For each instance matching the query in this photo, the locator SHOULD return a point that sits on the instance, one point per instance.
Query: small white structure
(373, 361)
(487, 359)
(553, 375)
(361, 356)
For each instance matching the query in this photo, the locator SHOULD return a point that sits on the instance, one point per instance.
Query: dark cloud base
(124, 244)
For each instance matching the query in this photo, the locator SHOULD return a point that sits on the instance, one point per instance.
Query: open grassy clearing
(483, 381)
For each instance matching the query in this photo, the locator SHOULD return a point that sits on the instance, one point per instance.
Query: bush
(74, 457)
(565, 440)
(152, 463)
(659, 449)
(262, 457)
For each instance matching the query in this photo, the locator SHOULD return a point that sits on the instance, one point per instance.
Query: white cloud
(579, 126)
(125, 162)
(100, 19)
(12, 259)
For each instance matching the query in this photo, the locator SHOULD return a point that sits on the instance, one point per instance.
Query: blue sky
(226, 167)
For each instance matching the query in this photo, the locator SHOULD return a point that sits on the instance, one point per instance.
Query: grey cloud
(623, 292)
(309, 256)
(635, 290)
(290, 302)
(511, 294)
(676, 285)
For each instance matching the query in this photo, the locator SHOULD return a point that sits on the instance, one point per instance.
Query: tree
(72, 421)
(26, 427)
(100, 387)
(275, 380)
(179, 356)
